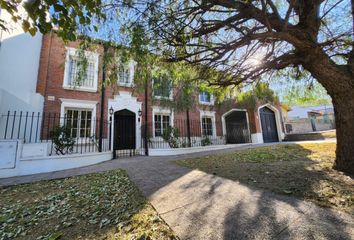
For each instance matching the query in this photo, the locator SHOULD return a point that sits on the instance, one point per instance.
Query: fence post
(188, 130)
(146, 119)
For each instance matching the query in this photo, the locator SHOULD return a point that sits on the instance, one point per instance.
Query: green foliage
(62, 140)
(260, 94)
(306, 95)
(43, 15)
(206, 141)
(171, 136)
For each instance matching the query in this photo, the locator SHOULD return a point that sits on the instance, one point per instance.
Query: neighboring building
(19, 64)
(309, 119)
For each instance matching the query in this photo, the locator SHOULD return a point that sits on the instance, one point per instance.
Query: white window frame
(209, 114)
(206, 103)
(131, 68)
(170, 97)
(161, 111)
(78, 105)
(91, 57)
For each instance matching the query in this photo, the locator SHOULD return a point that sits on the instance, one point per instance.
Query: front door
(269, 127)
(124, 133)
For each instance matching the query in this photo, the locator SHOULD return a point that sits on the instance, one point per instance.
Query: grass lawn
(96, 206)
(301, 170)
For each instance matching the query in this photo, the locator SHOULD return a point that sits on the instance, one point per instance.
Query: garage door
(237, 128)
(269, 127)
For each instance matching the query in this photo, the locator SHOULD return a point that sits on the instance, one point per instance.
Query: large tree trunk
(339, 83)
(344, 118)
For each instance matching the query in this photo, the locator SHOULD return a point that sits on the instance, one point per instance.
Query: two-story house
(83, 106)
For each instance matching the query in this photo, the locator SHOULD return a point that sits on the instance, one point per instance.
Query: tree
(251, 39)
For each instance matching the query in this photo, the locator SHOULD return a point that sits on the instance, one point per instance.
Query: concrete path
(201, 206)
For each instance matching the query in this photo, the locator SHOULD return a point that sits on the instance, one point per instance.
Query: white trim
(125, 100)
(210, 114)
(92, 57)
(223, 120)
(161, 110)
(78, 104)
(277, 120)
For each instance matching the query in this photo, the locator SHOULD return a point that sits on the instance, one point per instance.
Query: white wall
(19, 63)
(20, 159)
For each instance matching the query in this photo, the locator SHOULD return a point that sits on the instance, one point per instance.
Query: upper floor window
(205, 98)
(162, 87)
(81, 74)
(126, 73)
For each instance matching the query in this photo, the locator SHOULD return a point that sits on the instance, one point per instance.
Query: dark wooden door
(124, 125)
(269, 127)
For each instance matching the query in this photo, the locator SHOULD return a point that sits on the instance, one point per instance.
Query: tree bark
(344, 119)
(339, 83)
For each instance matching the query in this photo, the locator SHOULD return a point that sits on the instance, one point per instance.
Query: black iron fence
(77, 133)
(193, 133)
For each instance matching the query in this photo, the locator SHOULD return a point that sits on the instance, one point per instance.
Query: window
(207, 126)
(205, 97)
(162, 87)
(162, 122)
(126, 73)
(88, 77)
(73, 71)
(79, 121)
(123, 74)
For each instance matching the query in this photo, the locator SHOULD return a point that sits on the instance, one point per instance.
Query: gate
(124, 140)
(236, 128)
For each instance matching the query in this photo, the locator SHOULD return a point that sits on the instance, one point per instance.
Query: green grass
(301, 170)
(95, 206)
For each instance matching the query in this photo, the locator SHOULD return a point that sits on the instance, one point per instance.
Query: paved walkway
(201, 206)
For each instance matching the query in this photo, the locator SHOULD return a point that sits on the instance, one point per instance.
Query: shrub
(63, 142)
(171, 135)
(206, 141)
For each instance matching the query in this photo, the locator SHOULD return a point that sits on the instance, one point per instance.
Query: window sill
(125, 84)
(163, 98)
(206, 103)
(82, 89)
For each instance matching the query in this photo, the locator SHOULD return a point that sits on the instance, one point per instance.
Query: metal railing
(190, 133)
(64, 134)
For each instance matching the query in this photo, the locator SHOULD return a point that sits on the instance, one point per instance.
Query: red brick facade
(50, 85)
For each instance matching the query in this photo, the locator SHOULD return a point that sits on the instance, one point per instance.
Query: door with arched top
(269, 126)
(124, 130)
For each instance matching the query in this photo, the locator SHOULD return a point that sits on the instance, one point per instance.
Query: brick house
(221, 123)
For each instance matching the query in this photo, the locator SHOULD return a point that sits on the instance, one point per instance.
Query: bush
(206, 141)
(171, 136)
(63, 142)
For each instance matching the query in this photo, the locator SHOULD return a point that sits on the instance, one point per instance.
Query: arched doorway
(124, 130)
(269, 125)
(237, 130)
